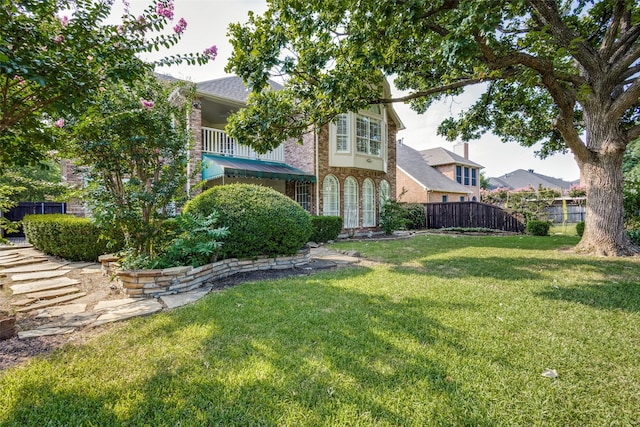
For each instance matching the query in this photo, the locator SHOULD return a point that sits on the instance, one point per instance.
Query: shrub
(580, 228)
(261, 221)
(634, 236)
(415, 216)
(325, 228)
(537, 228)
(392, 217)
(67, 236)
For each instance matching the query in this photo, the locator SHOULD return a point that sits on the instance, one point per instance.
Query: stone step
(139, 308)
(52, 293)
(42, 285)
(49, 302)
(32, 268)
(24, 261)
(38, 275)
(42, 332)
(23, 302)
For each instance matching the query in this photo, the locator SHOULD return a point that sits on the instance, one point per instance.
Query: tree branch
(633, 133)
(607, 47)
(433, 91)
(623, 102)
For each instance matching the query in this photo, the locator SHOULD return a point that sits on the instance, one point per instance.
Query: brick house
(436, 175)
(346, 168)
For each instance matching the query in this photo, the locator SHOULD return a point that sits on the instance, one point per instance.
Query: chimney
(462, 149)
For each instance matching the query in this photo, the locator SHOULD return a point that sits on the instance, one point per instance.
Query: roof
(439, 156)
(215, 166)
(232, 88)
(413, 163)
(521, 178)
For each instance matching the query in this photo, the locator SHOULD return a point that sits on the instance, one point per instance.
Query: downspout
(317, 172)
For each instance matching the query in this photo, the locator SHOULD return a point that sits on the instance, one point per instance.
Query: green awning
(214, 166)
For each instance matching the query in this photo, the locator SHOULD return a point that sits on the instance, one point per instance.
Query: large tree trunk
(604, 232)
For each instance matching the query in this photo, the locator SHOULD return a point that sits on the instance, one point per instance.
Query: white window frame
(368, 203)
(330, 196)
(303, 195)
(351, 210)
(342, 120)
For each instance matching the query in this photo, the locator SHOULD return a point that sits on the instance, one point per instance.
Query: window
(466, 176)
(350, 202)
(368, 203)
(462, 198)
(444, 198)
(459, 174)
(384, 194)
(368, 135)
(303, 195)
(342, 132)
(474, 178)
(331, 196)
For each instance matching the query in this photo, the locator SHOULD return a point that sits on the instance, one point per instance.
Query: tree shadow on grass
(603, 295)
(308, 351)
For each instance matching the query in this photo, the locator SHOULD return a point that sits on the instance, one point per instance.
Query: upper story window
(474, 178)
(466, 176)
(459, 174)
(342, 133)
(368, 135)
(444, 198)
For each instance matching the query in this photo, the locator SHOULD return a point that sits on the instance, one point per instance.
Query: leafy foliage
(392, 217)
(191, 239)
(537, 228)
(261, 221)
(415, 216)
(325, 228)
(133, 147)
(57, 56)
(580, 228)
(67, 236)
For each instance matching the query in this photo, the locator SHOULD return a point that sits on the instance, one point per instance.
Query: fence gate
(471, 215)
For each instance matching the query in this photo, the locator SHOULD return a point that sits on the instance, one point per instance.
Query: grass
(451, 330)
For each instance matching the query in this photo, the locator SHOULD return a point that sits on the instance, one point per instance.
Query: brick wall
(74, 177)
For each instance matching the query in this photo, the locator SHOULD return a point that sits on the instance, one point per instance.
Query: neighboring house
(521, 178)
(436, 175)
(347, 168)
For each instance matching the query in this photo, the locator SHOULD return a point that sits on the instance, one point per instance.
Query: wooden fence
(471, 215)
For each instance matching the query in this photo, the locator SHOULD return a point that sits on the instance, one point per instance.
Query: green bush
(634, 236)
(580, 228)
(537, 228)
(415, 216)
(261, 221)
(325, 228)
(392, 217)
(66, 236)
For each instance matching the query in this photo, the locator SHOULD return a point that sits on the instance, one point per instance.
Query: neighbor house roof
(439, 156)
(232, 88)
(521, 178)
(414, 164)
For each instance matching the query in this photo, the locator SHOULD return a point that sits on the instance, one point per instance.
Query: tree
(553, 70)
(57, 55)
(134, 143)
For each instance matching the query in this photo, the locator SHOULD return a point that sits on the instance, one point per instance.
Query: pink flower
(147, 104)
(165, 9)
(64, 21)
(157, 150)
(182, 25)
(59, 123)
(120, 29)
(58, 39)
(211, 52)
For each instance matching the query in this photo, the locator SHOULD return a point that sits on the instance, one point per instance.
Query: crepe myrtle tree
(56, 55)
(133, 144)
(563, 73)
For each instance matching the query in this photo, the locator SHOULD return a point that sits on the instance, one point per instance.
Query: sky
(207, 22)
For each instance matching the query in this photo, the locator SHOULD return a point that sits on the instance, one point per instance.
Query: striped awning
(215, 166)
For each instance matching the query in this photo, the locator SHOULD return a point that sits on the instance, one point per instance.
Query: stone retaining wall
(167, 281)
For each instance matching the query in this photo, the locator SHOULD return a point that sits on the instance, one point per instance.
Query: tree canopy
(57, 55)
(562, 72)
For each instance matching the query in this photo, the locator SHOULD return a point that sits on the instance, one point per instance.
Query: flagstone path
(53, 297)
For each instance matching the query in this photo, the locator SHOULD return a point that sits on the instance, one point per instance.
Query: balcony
(215, 141)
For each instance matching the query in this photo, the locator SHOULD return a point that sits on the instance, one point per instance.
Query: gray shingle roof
(231, 87)
(413, 163)
(521, 178)
(439, 156)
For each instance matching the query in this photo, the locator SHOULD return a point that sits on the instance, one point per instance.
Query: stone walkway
(41, 288)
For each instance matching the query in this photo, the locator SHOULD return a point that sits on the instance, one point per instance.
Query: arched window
(384, 194)
(350, 202)
(368, 203)
(330, 196)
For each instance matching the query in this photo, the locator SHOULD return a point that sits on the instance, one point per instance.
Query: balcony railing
(215, 141)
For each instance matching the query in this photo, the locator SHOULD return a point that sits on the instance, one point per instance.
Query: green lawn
(451, 330)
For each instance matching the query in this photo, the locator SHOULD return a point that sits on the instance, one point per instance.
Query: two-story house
(436, 175)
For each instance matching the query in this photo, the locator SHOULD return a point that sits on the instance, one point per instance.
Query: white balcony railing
(215, 141)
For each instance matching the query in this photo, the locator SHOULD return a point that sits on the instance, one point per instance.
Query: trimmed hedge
(537, 228)
(261, 221)
(415, 216)
(66, 236)
(325, 228)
